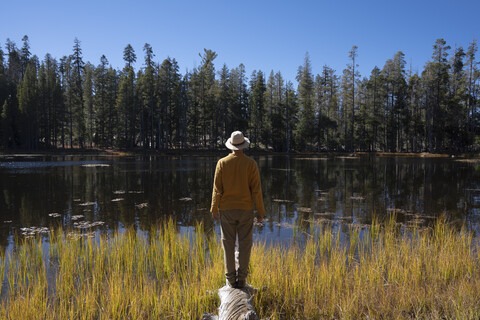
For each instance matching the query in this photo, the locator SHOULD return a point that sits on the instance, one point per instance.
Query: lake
(104, 193)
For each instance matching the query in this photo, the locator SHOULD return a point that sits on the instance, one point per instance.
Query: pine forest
(64, 103)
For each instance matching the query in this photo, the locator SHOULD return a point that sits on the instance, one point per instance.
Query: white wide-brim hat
(237, 141)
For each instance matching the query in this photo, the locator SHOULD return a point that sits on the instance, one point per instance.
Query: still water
(104, 193)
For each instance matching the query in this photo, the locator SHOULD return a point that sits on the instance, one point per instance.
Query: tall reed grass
(381, 272)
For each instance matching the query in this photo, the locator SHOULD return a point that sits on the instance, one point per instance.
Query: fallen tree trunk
(235, 304)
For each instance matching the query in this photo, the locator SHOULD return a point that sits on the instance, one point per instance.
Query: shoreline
(252, 151)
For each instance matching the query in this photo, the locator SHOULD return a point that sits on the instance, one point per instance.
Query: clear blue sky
(263, 35)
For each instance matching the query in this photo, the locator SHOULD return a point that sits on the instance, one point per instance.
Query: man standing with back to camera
(236, 187)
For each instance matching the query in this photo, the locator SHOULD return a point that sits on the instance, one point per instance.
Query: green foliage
(147, 98)
(395, 102)
(50, 102)
(209, 115)
(28, 105)
(88, 107)
(71, 103)
(129, 55)
(306, 123)
(349, 107)
(237, 109)
(101, 97)
(126, 109)
(171, 112)
(76, 80)
(257, 106)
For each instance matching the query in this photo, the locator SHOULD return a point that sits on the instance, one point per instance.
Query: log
(235, 304)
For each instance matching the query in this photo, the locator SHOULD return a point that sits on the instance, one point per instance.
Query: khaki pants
(236, 223)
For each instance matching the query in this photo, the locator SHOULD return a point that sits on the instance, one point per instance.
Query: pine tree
(436, 79)
(147, 98)
(100, 101)
(256, 105)
(106, 89)
(456, 112)
(472, 76)
(50, 101)
(112, 116)
(325, 108)
(331, 110)
(14, 65)
(291, 119)
(75, 93)
(28, 105)
(350, 76)
(169, 96)
(266, 132)
(10, 124)
(396, 102)
(417, 114)
(127, 102)
(66, 115)
(10, 110)
(238, 109)
(3, 78)
(193, 114)
(176, 106)
(278, 118)
(129, 55)
(224, 102)
(306, 124)
(43, 106)
(375, 92)
(344, 114)
(88, 104)
(25, 54)
(3, 98)
(363, 131)
(126, 108)
(208, 113)
(353, 55)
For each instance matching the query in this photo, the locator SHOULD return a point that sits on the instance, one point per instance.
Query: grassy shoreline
(383, 272)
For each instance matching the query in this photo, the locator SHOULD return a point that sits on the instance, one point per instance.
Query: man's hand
(216, 215)
(259, 218)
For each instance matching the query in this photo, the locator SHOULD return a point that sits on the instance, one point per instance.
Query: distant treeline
(68, 103)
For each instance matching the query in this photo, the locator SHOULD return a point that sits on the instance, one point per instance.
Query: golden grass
(381, 272)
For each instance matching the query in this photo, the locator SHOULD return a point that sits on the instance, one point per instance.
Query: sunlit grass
(380, 272)
(388, 274)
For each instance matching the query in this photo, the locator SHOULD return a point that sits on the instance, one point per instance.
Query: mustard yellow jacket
(237, 184)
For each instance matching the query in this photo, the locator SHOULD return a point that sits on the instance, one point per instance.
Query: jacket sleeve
(256, 188)
(217, 188)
